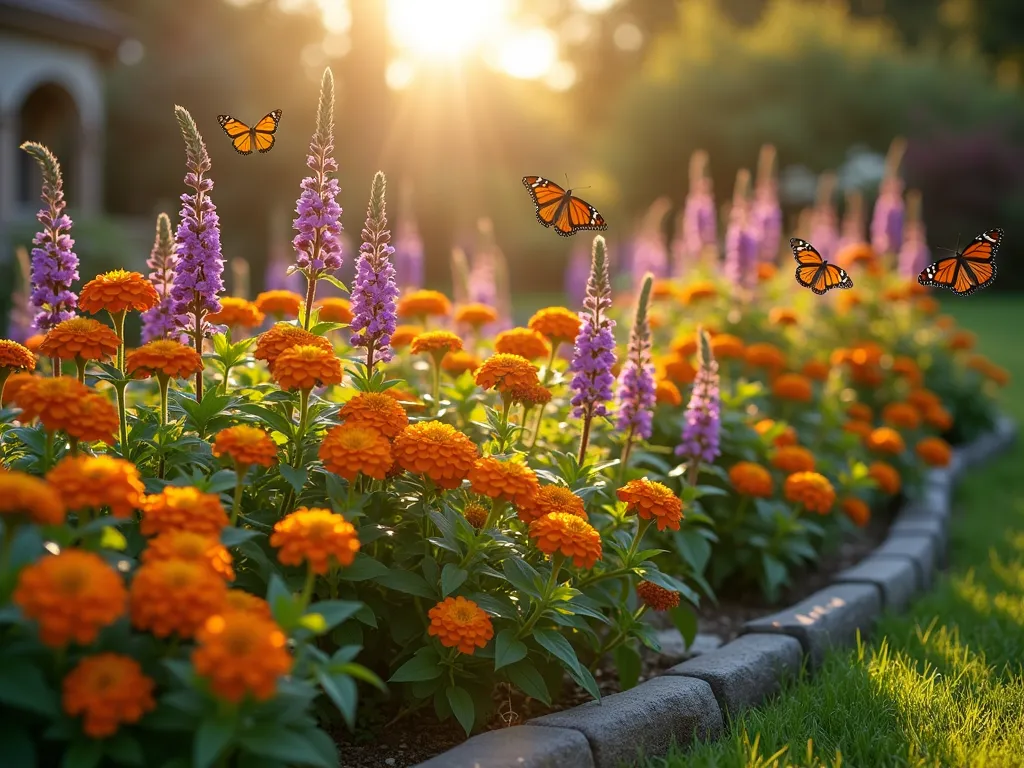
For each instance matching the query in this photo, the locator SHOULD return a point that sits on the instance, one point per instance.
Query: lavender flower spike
(700, 438)
(914, 253)
(594, 352)
(158, 322)
(887, 220)
(636, 392)
(742, 244)
(54, 264)
(374, 292)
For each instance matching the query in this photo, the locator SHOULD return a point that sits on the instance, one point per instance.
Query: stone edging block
(896, 579)
(935, 527)
(518, 747)
(919, 548)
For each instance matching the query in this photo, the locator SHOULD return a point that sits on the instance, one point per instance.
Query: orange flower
(550, 498)
(701, 289)
(54, 401)
(505, 480)
(939, 418)
(924, 399)
(960, 340)
(241, 653)
(15, 357)
(667, 393)
(192, 547)
(785, 438)
(927, 305)
(108, 689)
(524, 342)
(908, 368)
(436, 343)
(652, 501)
(29, 497)
(377, 410)
(766, 271)
(80, 338)
(350, 449)
(686, 346)
(475, 314)
(504, 372)
(245, 602)
(183, 509)
(857, 511)
(885, 440)
(763, 355)
(860, 412)
(96, 419)
(94, 482)
(475, 514)
(903, 415)
(407, 399)
(306, 366)
(857, 427)
(246, 445)
(856, 253)
(677, 369)
(568, 535)
(534, 394)
(750, 479)
(436, 450)
(457, 363)
(945, 322)
(725, 346)
(404, 334)
(847, 300)
(116, 292)
(316, 536)
(989, 370)
(72, 596)
(886, 476)
(655, 597)
(557, 324)
(163, 357)
(32, 342)
(236, 313)
(793, 458)
(816, 370)
(460, 623)
(280, 304)
(334, 310)
(15, 382)
(934, 451)
(175, 596)
(783, 316)
(664, 289)
(424, 303)
(793, 386)
(270, 344)
(812, 490)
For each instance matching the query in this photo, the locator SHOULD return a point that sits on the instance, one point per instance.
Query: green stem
(122, 414)
(624, 459)
(551, 364)
(197, 341)
(435, 391)
(55, 369)
(588, 418)
(641, 529)
(301, 434)
(48, 451)
(4, 373)
(310, 296)
(118, 319)
(556, 565)
(80, 363)
(307, 587)
(73, 443)
(236, 506)
(497, 506)
(506, 406)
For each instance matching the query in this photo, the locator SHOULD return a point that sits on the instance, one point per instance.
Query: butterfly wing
(582, 215)
(833, 277)
(241, 134)
(549, 198)
(978, 259)
(264, 130)
(809, 263)
(944, 273)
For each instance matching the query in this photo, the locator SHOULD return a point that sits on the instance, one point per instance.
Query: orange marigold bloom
(270, 344)
(764, 355)
(377, 410)
(404, 334)
(652, 501)
(793, 458)
(939, 418)
(241, 653)
(334, 309)
(246, 445)
(550, 498)
(569, 535)
(236, 313)
(787, 437)
(80, 337)
(923, 399)
(436, 343)
(866, 353)
(664, 289)
(476, 314)
(279, 303)
(725, 346)
(504, 372)
(193, 547)
(860, 412)
(175, 596)
(857, 427)
(927, 305)
(424, 303)
(55, 402)
(505, 480)
(667, 393)
(793, 386)
(117, 291)
(475, 514)
(163, 357)
(406, 398)
(534, 394)
(655, 597)
(436, 450)
(855, 253)
(766, 271)
(15, 357)
(306, 366)
(989, 370)
(857, 511)
(460, 623)
(962, 340)
(885, 440)
(29, 497)
(908, 368)
(557, 324)
(93, 482)
(697, 291)
(903, 415)
(678, 369)
(72, 596)
(32, 342)
(182, 509)
(934, 451)
(96, 419)
(457, 363)
(246, 602)
(108, 689)
(750, 479)
(811, 489)
(686, 346)
(816, 370)
(350, 449)
(316, 536)
(886, 476)
(524, 342)
(783, 316)
(847, 300)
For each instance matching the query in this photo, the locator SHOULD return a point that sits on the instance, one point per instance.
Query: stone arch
(49, 115)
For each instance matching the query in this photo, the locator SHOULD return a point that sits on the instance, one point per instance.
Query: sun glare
(529, 53)
(445, 29)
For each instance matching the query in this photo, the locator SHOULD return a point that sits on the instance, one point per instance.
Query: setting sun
(445, 29)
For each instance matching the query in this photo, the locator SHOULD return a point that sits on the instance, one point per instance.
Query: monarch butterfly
(969, 270)
(556, 207)
(244, 138)
(814, 272)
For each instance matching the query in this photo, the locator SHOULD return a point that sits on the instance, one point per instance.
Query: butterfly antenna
(566, 180)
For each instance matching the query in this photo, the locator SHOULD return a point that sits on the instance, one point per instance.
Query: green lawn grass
(944, 684)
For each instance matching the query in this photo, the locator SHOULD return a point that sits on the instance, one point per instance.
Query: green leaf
(232, 537)
(215, 733)
(462, 706)
(564, 652)
(775, 573)
(452, 577)
(23, 686)
(334, 612)
(524, 676)
(84, 753)
(125, 749)
(408, 582)
(325, 327)
(16, 746)
(363, 567)
(422, 666)
(694, 549)
(287, 744)
(341, 689)
(685, 620)
(521, 575)
(296, 477)
(335, 282)
(627, 661)
(508, 649)
(283, 604)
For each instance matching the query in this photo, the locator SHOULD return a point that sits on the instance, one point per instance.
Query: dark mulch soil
(418, 736)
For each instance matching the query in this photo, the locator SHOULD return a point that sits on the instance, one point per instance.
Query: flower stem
(588, 417)
(4, 373)
(641, 529)
(80, 363)
(55, 369)
(197, 340)
(307, 588)
(435, 391)
(624, 459)
(497, 506)
(551, 364)
(310, 297)
(236, 506)
(556, 565)
(118, 320)
(122, 414)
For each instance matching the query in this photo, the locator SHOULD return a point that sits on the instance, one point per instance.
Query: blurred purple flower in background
(742, 244)
(914, 254)
(887, 219)
(766, 211)
(696, 226)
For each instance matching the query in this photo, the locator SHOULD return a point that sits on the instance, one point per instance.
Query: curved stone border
(691, 700)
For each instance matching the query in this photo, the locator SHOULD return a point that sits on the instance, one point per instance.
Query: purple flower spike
(766, 211)
(594, 352)
(636, 391)
(742, 244)
(54, 264)
(887, 220)
(159, 322)
(914, 254)
(701, 430)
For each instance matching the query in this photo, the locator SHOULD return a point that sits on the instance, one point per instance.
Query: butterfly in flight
(814, 272)
(969, 270)
(556, 207)
(244, 138)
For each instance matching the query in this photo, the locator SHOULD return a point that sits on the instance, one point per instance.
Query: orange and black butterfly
(814, 272)
(969, 270)
(556, 207)
(244, 139)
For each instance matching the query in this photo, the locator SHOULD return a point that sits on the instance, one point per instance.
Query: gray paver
(518, 747)
(920, 548)
(895, 577)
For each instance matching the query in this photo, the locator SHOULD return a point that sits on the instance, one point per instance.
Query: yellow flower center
(356, 439)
